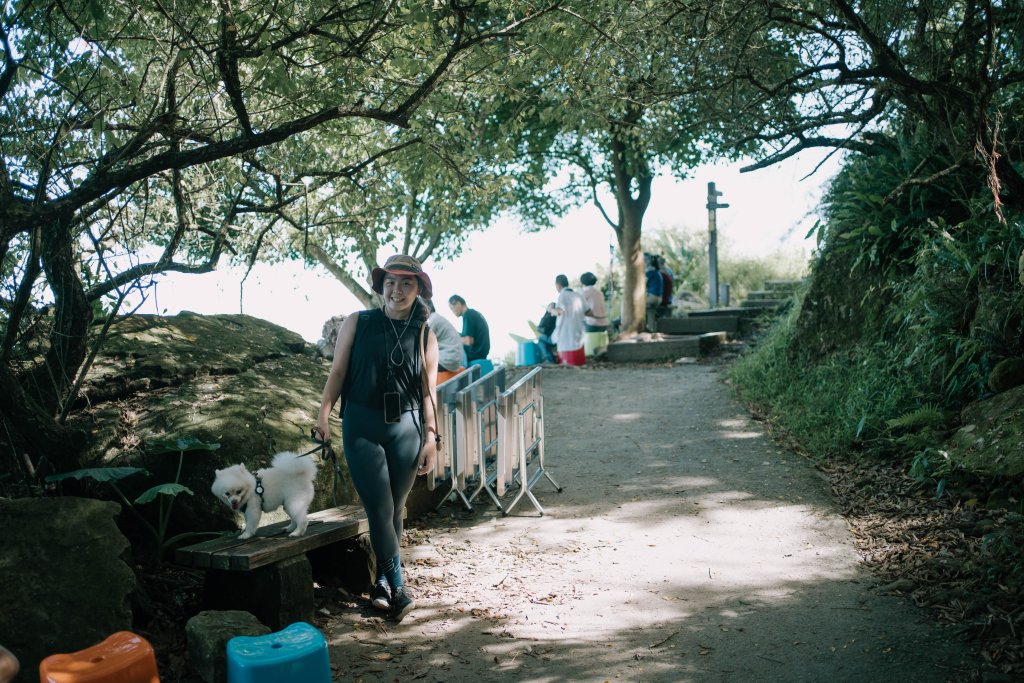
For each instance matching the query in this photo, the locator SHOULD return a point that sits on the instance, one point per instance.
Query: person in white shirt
(596, 318)
(451, 356)
(570, 309)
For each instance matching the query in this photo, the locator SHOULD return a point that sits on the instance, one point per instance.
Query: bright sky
(509, 275)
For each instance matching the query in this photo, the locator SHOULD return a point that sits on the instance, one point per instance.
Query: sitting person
(451, 358)
(545, 328)
(476, 336)
(595, 321)
(655, 289)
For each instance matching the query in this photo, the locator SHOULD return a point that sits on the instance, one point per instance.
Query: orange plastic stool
(122, 658)
(445, 375)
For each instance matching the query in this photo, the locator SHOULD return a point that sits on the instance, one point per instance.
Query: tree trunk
(634, 285)
(31, 402)
(31, 429)
(631, 175)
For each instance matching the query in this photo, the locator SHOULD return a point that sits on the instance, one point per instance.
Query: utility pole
(713, 206)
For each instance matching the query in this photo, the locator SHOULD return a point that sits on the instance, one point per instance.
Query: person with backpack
(655, 289)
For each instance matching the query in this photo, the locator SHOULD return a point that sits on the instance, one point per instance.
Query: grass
(832, 404)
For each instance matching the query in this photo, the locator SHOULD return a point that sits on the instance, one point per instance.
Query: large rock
(64, 583)
(329, 337)
(208, 634)
(989, 440)
(243, 383)
(1007, 374)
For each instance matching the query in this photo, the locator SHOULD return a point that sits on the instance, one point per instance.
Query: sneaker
(380, 596)
(401, 603)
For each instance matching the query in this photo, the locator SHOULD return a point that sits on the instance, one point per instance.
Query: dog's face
(233, 485)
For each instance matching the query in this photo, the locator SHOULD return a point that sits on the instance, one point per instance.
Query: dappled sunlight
(741, 435)
(676, 552)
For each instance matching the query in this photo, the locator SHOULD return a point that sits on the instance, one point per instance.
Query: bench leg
(278, 594)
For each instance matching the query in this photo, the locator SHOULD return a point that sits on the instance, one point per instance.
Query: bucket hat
(400, 264)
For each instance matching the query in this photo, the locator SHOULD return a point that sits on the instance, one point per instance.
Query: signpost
(713, 206)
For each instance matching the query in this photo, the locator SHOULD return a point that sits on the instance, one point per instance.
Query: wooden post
(713, 206)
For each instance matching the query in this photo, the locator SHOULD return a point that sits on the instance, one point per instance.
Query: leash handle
(321, 445)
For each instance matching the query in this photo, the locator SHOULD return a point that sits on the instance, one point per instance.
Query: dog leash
(314, 449)
(324, 446)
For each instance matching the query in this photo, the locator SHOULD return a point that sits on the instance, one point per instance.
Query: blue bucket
(528, 353)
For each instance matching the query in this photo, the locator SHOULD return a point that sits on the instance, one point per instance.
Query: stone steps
(764, 303)
(699, 333)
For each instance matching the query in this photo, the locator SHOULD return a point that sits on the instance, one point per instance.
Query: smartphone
(392, 407)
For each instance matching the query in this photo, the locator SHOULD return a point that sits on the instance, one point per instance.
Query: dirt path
(685, 547)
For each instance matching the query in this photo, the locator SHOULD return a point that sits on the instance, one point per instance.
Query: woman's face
(400, 294)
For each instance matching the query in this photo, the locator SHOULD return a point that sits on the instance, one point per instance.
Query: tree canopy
(125, 124)
(141, 138)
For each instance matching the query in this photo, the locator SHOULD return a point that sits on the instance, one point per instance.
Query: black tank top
(375, 352)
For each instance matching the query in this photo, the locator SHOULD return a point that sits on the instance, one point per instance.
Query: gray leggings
(382, 459)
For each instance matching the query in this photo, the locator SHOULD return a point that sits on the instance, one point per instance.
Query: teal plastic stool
(295, 654)
(485, 365)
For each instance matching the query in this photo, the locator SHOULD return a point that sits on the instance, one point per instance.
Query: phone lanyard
(390, 359)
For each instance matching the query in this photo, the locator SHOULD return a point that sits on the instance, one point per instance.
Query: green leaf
(98, 474)
(860, 427)
(169, 489)
(186, 443)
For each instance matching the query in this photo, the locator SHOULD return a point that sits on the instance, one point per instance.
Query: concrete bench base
(667, 349)
(730, 324)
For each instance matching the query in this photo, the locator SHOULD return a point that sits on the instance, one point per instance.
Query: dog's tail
(303, 465)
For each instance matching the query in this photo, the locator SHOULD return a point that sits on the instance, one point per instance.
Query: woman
(385, 367)
(595, 322)
(596, 319)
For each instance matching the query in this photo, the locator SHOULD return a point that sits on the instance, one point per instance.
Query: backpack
(666, 289)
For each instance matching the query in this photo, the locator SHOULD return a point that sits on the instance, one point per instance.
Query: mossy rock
(1007, 374)
(991, 440)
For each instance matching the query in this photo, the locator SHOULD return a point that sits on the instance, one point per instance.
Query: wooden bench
(269, 574)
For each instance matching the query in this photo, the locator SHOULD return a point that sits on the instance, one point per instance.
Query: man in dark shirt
(545, 328)
(476, 337)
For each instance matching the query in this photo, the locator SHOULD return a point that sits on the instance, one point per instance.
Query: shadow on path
(685, 547)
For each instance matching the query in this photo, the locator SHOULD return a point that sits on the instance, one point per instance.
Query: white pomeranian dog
(288, 482)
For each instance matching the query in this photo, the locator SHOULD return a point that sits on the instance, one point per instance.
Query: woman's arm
(336, 378)
(429, 451)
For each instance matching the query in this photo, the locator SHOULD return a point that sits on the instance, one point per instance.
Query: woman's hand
(428, 456)
(322, 431)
